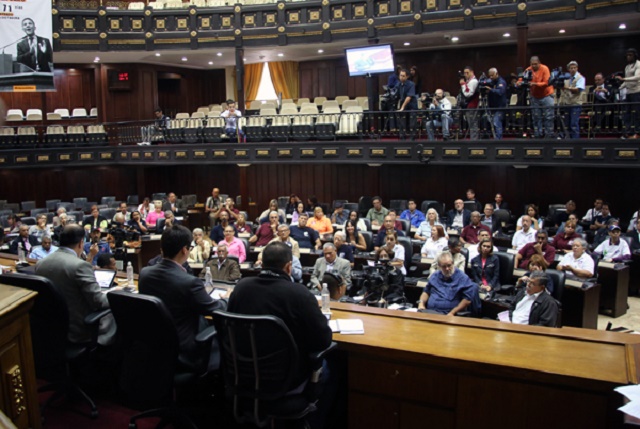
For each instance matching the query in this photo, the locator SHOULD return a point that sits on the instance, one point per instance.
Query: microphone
(13, 43)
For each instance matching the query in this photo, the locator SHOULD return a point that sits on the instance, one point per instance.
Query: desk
(614, 280)
(410, 370)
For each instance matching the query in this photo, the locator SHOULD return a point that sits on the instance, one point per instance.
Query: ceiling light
(184, 58)
(622, 26)
(455, 38)
(281, 54)
(320, 51)
(407, 44)
(210, 63)
(506, 35)
(157, 54)
(244, 59)
(219, 54)
(561, 31)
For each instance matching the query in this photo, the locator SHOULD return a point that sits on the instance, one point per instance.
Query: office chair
(259, 362)
(53, 353)
(153, 368)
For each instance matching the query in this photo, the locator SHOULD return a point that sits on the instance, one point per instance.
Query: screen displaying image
(366, 60)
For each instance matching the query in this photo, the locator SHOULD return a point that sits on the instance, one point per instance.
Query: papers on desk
(603, 264)
(196, 265)
(347, 326)
(519, 272)
(632, 393)
(512, 251)
(503, 316)
(305, 250)
(244, 235)
(572, 282)
(245, 265)
(129, 250)
(218, 293)
(425, 260)
(155, 237)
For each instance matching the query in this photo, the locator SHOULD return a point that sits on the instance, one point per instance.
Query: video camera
(483, 82)
(525, 77)
(376, 281)
(557, 77)
(122, 233)
(612, 81)
(389, 100)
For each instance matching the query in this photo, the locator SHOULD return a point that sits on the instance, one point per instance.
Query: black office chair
(52, 204)
(406, 226)
(398, 205)
(367, 222)
(504, 217)
(364, 204)
(350, 207)
(408, 251)
(53, 353)
(368, 239)
(152, 368)
(259, 362)
(27, 206)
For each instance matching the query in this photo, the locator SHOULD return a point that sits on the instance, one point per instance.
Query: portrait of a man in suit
(34, 51)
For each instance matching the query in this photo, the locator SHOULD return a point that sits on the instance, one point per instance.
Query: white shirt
(609, 250)
(520, 238)
(591, 214)
(584, 262)
(523, 309)
(432, 248)
(458, 220)
(398, 252)
(424, 230)
(473, 251)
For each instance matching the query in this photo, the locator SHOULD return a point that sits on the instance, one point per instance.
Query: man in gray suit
(332, 263)
(75, 279)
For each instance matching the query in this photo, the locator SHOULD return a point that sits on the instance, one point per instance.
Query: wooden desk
(412, 370)
(614, 291)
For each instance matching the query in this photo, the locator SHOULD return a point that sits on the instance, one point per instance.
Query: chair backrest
(150, 344)
(368, 239)
(559, 279)
(27, 205)
(398, 205)
(408, 250)
(349, 207)
(107, 200)
(364, 204)
(507, 263)
(79, 112)
(53, 117)
(49, 320)
(69, 207)
(93, 113)
(259, 360)
(503, 216)
(158, 196)
(132, 200)
(34, 115)
(108, 213)
(406, 225)
(52, 204)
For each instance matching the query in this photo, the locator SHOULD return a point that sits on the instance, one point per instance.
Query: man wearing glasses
(533, 306)
(449, 290)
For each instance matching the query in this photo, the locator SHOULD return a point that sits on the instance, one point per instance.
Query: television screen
(366, 60)
(119, 80)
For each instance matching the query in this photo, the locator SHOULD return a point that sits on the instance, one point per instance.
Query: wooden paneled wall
(540, 185)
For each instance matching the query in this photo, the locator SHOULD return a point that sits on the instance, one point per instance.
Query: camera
(376, 281)
(389, 100)
(483, 83)
(612, 80)
(557, 77)
(525, 77)
(460, 74)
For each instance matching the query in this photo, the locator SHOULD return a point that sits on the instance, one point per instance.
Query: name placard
(562, 153)
(626, 153)
(181, 154)
(241, 153)
(427, 152)
(149, 155)
(452, 153)
(403, 153)
(377, 152)
(43, 158)
(220, 153)
(22, 159)
(477, 153)
(199, 154)
(504, 153)
(135, 155)
(263, 153)
(124, 155)
(87, 156)
(330, 153)
(307, 153)
(3, 160)
(593, 153)
(106, 155)
(285, 153)
(533, 153)
(354, 153)
(163, 154)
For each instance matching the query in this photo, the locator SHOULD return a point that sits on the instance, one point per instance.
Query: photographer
(439, 115)
(497, 100)
(602, 95)
(571, 100)
(408, 103)
(631, 86)
(541, 98)
(471, 97)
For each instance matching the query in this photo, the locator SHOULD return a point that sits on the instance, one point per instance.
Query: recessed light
(455, 39)
(244, 59)
(210, 63)
(96, 59)
(320, 51)
(157, 54)
(506, 35)
(407, 44)
(219, 54)
(184, 58)
(281, 54)
(561, 31)
(622, 26)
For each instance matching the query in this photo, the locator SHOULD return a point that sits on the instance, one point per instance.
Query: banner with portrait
(26, 54)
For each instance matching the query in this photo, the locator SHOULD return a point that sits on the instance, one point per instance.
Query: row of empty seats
(36, 114)
(178, 4)
(55, 136)
(341, 101)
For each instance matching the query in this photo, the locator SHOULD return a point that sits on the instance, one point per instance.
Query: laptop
(105, 278)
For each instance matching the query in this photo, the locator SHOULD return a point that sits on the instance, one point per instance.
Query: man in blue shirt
(306, 237)
(102, 246)
(449, 290)
(408, 103)
(41, 252)
(416, 217)
(497, 100)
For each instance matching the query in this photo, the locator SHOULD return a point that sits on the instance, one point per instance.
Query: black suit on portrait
(44, 57)
(185, 298)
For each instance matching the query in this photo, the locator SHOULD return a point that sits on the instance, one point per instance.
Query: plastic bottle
(207, 277)
(130, 275)
(326, 299)
(22, 254)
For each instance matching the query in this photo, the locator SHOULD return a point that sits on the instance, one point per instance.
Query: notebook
(105, 278)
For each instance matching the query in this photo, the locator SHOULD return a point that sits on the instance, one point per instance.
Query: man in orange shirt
(320, 222)
(541, 98)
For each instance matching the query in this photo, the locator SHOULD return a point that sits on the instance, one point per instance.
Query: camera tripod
(486, 112)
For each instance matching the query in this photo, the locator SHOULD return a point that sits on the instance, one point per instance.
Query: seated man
(439, 115)
(499, 204)
(169, 221)
(491, 221)
(602, 234)
(524, 236)
(579, 262)
(344, 250)
(532, 305)
(122, 208)
(183, 294)
(573, 218)
(307, 238)
(217, 232)
(284, 236)
(459, 217)
(106, 261)
(75, 279)
(562, 216)
(600, 220)
(232, 117)
(160, 124)
(455, 248)
(273, 293)
(265, 232)
(44, 250)
(171, 204)
(23, 241)
(541, 247)
(470, 232)
(450, 290)
(95, 247)
(634, 234)
(96, 220)
(332, 263)
(221, 267)
(336, 285)
(377, 213)
(413, 215)
(339, 216)
(381, 236)
(614, 249)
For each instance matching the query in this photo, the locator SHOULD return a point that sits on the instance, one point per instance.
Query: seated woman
(292, 204)
(157, 213)
(235, 245)
(297, 212)
(436, 242)
(354, 238)
(200, 247)
(359, 222)
(241, 226)
(273, 207)
(536, 263)
(574, 219)
(137, 223)
(320, 222)
(532, 212)
(392, 245)
(485, 268)
(424, 230)
(564, 240)
(145, 208)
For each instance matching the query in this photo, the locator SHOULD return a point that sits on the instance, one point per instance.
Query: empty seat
(27, 206)
(64, 113)
(341, 99)
(52, 205)
(310, 108)
(255, 128)
(303, 124)
(193, 130)
(27, 137)
(79, 112)
(75, 135)
(289, 109)
(7, 138)
(330, 104)
(175, 131)
(280, 127)
(327, 123)
(363, 102)
(93, 113)
(15, 115)
(69, 207)
(34, 115)
(203, 109)
(107, 200)
(182, 115)
(318, 101)
(301, 101)
(56, 136)
(199, 114)
(214, 130)
(53, 116)
(96, 135)
(349, 103)
(351, 122)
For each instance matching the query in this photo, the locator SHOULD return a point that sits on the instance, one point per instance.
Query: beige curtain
(252, 76)
(284, 75)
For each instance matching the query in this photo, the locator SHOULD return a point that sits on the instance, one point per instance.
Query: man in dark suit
(222, 268)
(533, 305)
(28, 241)
(34, 51)
(499, 203)
(490, 220)
(459, 217)
(171, 204)
(76, 280)
(634, 234)
(184, 295)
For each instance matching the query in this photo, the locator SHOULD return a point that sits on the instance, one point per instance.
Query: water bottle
(326, 299)
(130, 274)
(22, 254)
(207, 278)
